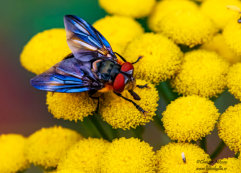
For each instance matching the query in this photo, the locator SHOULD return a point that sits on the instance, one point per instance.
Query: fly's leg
(136, 105)
(140, 57)
(142, 86)
(91, 93)
(120, 56)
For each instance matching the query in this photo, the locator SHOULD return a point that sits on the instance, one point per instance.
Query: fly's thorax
(106, 70)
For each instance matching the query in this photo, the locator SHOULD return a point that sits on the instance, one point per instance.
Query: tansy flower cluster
(190, 55)
(83, 155)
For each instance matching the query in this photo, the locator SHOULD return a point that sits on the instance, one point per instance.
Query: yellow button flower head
(218, 11)
(229, 127)
(128, 155)
(12, 158)
(219, 45)
(226, 165)
(84, 156)
(181, 158)
(232, 36)
(169, 16)
(133, 8)
(47, 146)
(189, 118)
(45, 50)
(161, 57)
(202, 73)
(70, 106)
(120, 113)
(234, 80)
(118, 30)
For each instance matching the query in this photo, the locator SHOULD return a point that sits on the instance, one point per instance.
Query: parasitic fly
(92, 67)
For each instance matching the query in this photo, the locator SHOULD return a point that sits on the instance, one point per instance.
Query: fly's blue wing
(84, 39)
(66, 76)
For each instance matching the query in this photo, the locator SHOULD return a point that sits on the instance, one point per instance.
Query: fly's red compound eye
(127, 67)
(119, 83)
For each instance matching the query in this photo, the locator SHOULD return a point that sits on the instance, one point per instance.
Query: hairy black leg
(91, 93)
(136, 105)
(120, 56)
(142, 86)
(137, 60)
(134, 95)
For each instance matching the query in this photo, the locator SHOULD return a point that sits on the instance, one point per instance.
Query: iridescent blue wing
(83, 38)
(66, 76)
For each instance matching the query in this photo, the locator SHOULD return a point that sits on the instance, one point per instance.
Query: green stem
(159, 123)
(91, 128)
(237, 155)
(99, 127)
(138, 132)
(166, 90)
(218, 150)
(203, 144)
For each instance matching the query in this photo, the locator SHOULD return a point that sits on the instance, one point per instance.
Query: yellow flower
(202, 73)
(128, 155)
(120, 113)
(166, 7)
(234, 80)
(47, 146)
(84, 156)
(218, 11)
(232, 36)
(226, 165)
(133, 8)
(189, 118)
(70, 106)
(12, 158)
(161, 57)
(182, 21)
(171, 158)
(44, 50)
(229, 127)
(219, 45)
(118, 30)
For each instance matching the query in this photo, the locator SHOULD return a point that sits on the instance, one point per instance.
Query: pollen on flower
(218, 11)
(229, 127)
(118, 30)
(44, 50)
(232, 36)
(128, 155)
(202, 73)
(84, 156)
(12, 157)
(169, 158)
(231, 165)
(47, 146)
(120, 113)
(219, 45)
(168, 17)
(161, 57)
(190, 118)
(70, 106)
(133, 8)
(234, 80)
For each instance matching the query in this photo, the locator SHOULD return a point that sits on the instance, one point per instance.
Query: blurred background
(22, 108)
